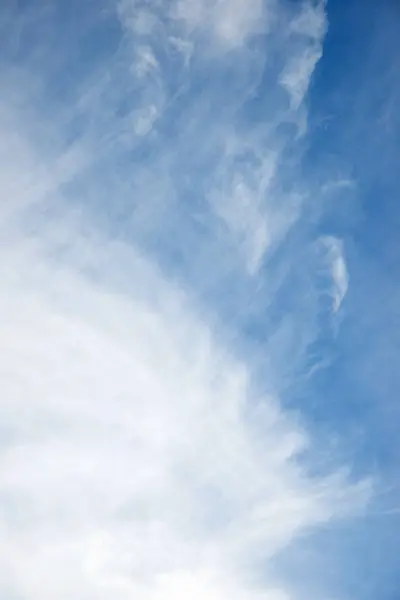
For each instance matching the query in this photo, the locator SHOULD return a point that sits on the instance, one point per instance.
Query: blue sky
(198, 236)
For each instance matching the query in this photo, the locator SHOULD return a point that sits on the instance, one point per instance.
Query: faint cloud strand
(308, 30)
(339, 273)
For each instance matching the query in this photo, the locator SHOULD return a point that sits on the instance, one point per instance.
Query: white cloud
(295, 77)
(308, 31)
(247, 161)
(231, 22)
(244, 198)
(228, 24)
(338, 268)
(138, 457)
(133, 464)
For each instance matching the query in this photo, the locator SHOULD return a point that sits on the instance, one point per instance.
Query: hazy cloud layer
(149, 196)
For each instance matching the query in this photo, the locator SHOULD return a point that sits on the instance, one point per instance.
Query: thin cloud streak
(339, 274)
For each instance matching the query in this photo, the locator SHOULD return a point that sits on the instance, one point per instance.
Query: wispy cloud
(339, 274)
(139, 456)
(308, 29)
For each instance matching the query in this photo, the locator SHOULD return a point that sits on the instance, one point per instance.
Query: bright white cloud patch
(138, 457)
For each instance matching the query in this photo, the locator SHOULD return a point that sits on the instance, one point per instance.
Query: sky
(199, 300)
